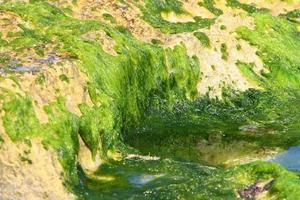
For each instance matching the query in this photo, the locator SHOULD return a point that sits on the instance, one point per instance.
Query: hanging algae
(123, 88)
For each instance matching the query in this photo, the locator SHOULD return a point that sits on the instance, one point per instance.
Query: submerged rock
(142, 179)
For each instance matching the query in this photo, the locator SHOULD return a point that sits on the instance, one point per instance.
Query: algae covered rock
(164, 99)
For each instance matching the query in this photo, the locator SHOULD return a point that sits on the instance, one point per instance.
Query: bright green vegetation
(146, 101)
(278, 43)
(210, 5)
(60, 133)
(142, 77)
(247, 70)
(286, 182)
(203, 38)
(224, 51)
(152, 14)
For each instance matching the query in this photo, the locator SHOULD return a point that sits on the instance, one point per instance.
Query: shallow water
(289, 158)
(188, 154)
(181, 168)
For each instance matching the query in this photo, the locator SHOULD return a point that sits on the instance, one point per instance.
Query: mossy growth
(238, 47)
(64, 78)
(41, 79)
(293, 14)
(142, 77)
(223, 27)
(4, 59)
(246, 7)
(109, 17)
(171, 179)
(210, 5)
(131, 89)
(247, 71)
(224, 51)
(179, 134)
(278, 45)
(286, 182)
(19, 120)
(60, 133)
(1, 141)
(203, 38)
(152, 11)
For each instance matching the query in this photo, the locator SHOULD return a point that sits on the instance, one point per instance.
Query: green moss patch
(203, 38)
(210, 5)
(278, 43)
(152, 14)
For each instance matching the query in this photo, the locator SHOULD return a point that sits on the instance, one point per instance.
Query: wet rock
(252, 192)
(51, 58)
(22, 69)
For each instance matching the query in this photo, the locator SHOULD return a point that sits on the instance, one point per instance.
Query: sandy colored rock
(38, 178)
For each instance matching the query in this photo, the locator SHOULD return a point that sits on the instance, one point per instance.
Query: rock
(249, 128)
(22, 69)
(253, 191)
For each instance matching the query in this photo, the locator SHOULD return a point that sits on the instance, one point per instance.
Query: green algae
(41, 79)
(152, 14)
(247, 70)
(175, 180)
(190, 129)
(278, 45)
(185, 180)
(109, 17)
(147, 91)
(203, 38)
(1, 141)
(123, 87)
(21, 124)
(210, 5)
(224, 51)
(293, 14)
(246, 7)
(286, 184)
(223, 27)
(64, 78)
(19, 120)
